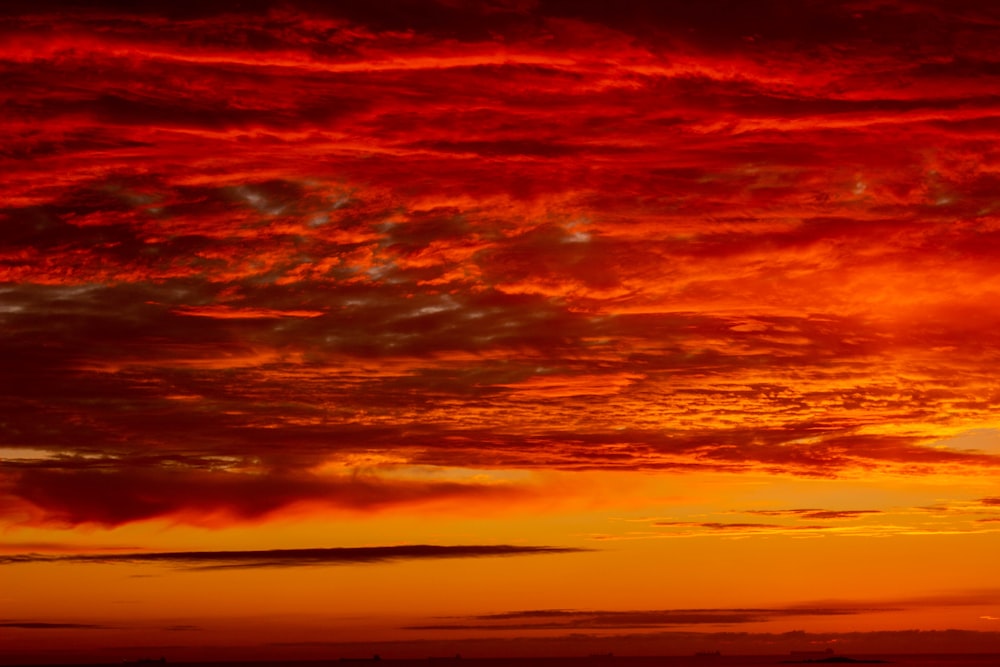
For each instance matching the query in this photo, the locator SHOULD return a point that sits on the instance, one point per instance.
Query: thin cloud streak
(570, 619)
(42, 625)
(217, 560)
(553, 619)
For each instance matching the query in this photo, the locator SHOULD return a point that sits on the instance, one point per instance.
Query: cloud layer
(245, 256)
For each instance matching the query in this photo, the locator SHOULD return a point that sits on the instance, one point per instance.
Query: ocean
(898, 660)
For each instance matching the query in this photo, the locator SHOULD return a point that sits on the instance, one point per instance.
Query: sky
(514, 327)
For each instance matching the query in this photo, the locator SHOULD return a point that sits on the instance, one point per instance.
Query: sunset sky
(512, 327)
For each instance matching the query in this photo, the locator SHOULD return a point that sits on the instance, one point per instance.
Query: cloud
(717, 525)
(41, 625)
(951, 518)
(815, 513)
(212, 560)
(145, 490)
(14, 547)
(553, 619)
(708, 527)
(559, 619)
(437, 234)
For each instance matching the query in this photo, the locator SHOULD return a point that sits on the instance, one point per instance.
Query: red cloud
(114, 497)
(549, 235)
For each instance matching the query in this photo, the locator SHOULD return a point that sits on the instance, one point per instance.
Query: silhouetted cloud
(206, 560)
(815, 513)
(554, 619)
(41, 625)
(736, 527)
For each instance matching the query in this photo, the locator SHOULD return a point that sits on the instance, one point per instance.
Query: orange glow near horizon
(507, 328)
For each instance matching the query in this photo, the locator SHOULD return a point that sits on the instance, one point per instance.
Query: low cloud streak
(216, 560)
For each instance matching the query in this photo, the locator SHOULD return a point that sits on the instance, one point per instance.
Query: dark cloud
(41, 625)
(717, 526)
(554, 619)
(736, 527)
(151, 488)
(596, 619)
(815, 513)
(211, 560)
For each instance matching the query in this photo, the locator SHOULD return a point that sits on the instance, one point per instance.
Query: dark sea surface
(899, 660)
(917, 660)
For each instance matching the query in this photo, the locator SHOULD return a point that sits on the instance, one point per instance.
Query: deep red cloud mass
(68, 495)
(238, 246)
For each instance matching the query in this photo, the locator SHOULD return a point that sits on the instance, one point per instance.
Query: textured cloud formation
(566, 619)
(237, 248)
(205, 560)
